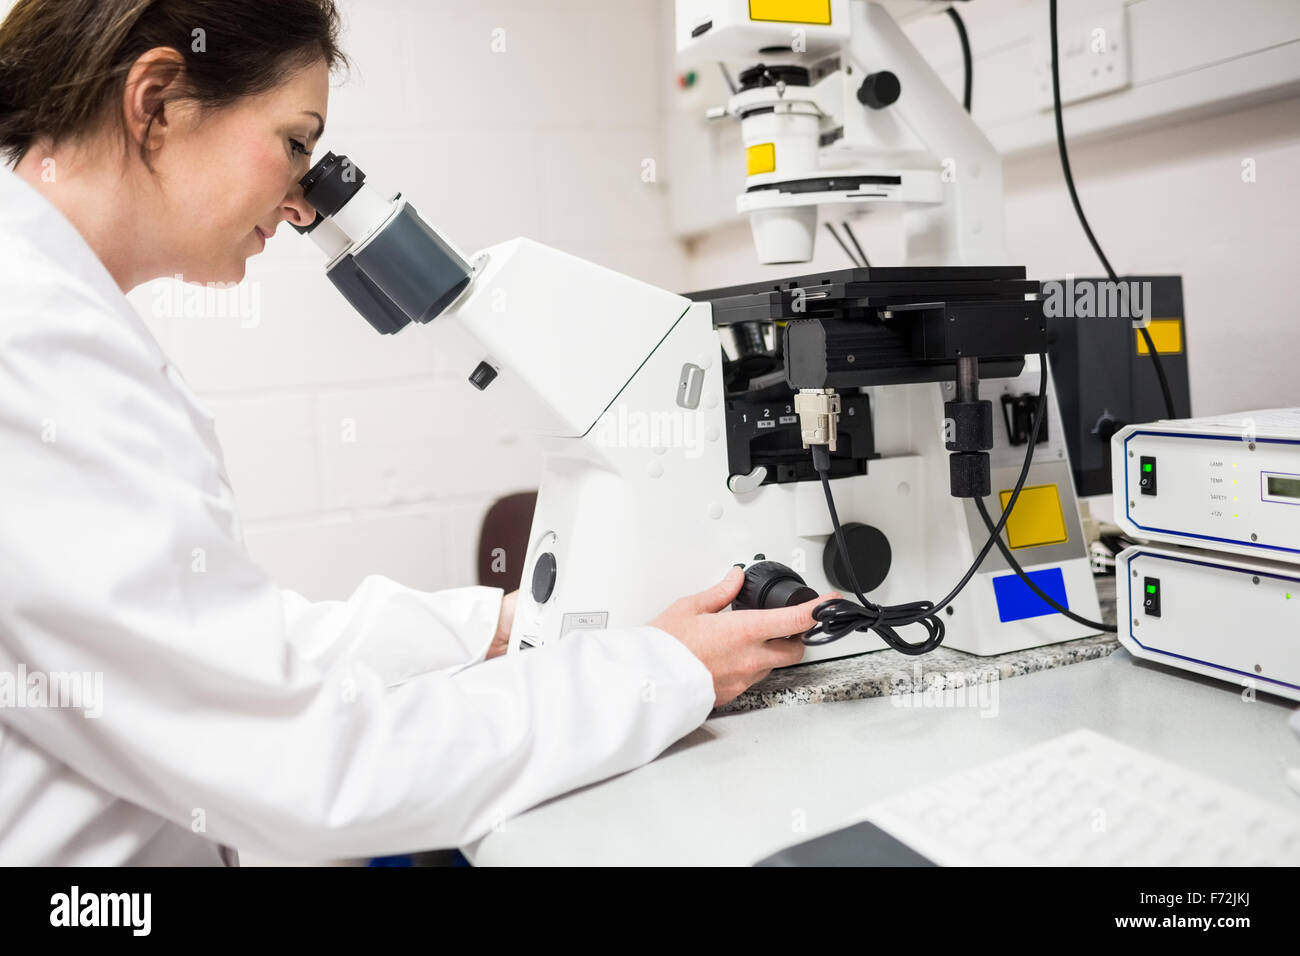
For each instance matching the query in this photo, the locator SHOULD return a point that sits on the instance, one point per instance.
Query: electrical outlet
(1094, 57)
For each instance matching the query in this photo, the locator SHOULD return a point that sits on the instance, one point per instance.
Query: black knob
(770, 584)
(484, 373)
(879, 90)
(544, 578)
(972, 425)
(869, 553)
(968, 474)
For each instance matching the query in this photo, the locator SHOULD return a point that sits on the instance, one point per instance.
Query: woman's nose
(296, 209)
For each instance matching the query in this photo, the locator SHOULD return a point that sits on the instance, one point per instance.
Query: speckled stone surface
(882, 673)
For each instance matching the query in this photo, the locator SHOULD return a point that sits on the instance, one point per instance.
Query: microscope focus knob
(869, 552)
(770, 584)
(879, 90)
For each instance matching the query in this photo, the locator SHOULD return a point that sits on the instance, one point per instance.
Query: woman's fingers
(719, 596)
(777, 622)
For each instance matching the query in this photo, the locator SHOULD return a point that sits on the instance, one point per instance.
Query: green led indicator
(1147, 467)
(1151, 589)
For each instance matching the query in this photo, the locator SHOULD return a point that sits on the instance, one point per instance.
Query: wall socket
(1094, 57)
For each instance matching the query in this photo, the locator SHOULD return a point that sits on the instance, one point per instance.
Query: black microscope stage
(860, 292)
(891, 325)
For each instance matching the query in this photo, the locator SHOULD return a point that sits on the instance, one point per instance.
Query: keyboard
(1081, 799)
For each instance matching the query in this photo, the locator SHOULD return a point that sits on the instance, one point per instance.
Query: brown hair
(64, 63)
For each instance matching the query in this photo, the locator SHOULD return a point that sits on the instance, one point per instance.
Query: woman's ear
(155, 79)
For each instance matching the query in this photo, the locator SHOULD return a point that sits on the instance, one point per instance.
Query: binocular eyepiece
(389, 264)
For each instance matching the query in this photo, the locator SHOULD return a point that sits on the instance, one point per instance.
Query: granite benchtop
(887, 672)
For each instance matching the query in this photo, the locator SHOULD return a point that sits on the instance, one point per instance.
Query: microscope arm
(562, 336)
(550, 339)
(968, 227)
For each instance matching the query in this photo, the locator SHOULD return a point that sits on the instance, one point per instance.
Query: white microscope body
(621, 383)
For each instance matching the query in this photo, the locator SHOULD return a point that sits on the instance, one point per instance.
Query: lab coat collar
(28, 217)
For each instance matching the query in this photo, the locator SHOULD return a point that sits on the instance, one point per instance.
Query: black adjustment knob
(770, 584)
(971, 425)
(544, 578)
(968, 474)
(484, 374)
(879, 90)
(869, 553)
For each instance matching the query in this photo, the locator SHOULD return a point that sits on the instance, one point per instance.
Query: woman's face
(228, 177)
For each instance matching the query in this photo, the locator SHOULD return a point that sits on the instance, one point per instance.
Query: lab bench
(805, 751)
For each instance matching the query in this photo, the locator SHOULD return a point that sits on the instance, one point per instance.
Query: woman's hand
(739, 648)
(501, 640)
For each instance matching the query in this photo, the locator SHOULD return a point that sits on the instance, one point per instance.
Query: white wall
(544, 138)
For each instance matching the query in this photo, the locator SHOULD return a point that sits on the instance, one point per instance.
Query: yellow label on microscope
(760, 159)
(791, 11)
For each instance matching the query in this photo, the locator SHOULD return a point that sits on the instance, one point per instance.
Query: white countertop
(747, 784)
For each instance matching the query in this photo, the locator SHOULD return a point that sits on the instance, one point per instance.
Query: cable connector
(821, 459)
(819, 416)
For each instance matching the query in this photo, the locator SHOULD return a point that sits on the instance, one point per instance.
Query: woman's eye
(297, 147)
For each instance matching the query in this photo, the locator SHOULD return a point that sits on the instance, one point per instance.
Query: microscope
(847, 438)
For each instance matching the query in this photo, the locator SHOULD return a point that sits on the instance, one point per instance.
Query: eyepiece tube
(397, 267)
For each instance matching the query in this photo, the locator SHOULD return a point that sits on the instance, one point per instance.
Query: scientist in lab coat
(160, 709)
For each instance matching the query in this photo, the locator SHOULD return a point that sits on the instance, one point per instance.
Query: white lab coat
(235, 713)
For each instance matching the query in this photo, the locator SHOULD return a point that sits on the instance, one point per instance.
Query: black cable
(840, 616)
(965, 53)
(848, 230)
(852, 259)
(1015, 566)
(1083, 220)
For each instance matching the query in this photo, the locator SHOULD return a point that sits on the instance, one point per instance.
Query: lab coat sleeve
(398, 631)
(234, 709)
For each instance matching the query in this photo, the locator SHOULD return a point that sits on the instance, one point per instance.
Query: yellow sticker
(1037, 518)
(762, 159)
(791, 11)
(1166, 335)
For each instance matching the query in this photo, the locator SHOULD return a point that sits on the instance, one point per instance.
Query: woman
(152, 138)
